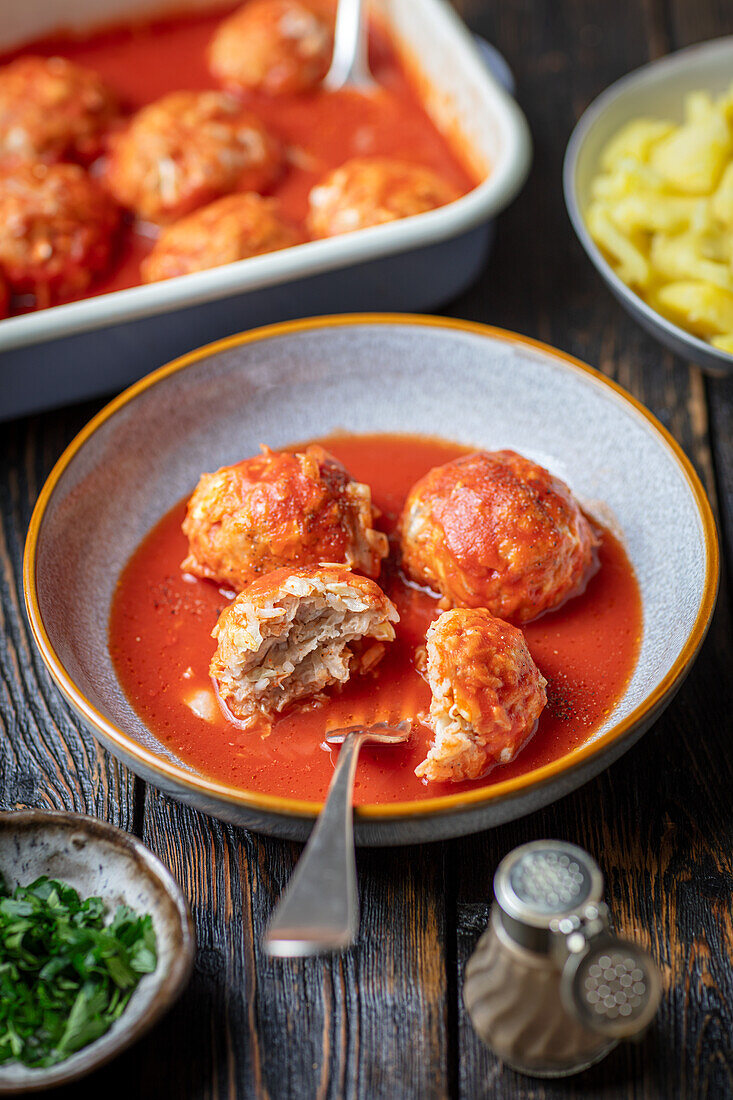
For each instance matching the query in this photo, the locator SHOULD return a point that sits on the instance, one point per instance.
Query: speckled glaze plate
(388, 373)
(98, 859)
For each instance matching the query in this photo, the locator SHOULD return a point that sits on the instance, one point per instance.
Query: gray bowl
(657, 89)
(98, 859)
(365, 373)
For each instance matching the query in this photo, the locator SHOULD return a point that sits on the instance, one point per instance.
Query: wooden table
(386, 1020)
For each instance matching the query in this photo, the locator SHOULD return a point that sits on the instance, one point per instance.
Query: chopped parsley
(65, 973)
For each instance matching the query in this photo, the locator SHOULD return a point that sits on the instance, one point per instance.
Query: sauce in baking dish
(142, 62)
(161, 645)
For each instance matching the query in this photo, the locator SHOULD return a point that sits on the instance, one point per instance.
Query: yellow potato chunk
(722, 201)
(631, 263)
(634, 140)
(652, 212)
(725, 343)
(701, 308)
(680, 257)
(661, 210)
(698, 106)
(628, 177)
(692, 158)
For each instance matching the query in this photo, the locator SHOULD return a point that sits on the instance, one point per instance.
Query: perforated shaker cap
(614, 987)
(541, 881)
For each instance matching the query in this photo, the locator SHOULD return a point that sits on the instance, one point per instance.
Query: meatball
(280, 509)
(58, 230)
(492, 529)
(229, 229)
(52, 109)
(292, 633)
(371, 191)
(186, 150)
(487, 694)
(273, 46)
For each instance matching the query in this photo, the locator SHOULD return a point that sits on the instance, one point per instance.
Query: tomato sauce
(145, 61)
(160, 642)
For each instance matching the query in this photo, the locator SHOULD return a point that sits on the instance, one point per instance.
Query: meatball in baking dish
(495, 530)
(273, 46)
(187, 149)
(232, 228)
(52, 109)
(369, 191)
(58, 229)
(293, 633)
(280, 509)
(487, 694)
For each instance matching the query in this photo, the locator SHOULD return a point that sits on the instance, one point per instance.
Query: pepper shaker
(550, 987)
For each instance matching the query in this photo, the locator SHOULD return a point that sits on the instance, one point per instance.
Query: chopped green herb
(65, 974)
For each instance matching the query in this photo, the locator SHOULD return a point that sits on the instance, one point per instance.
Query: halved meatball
(187, 149)
(273, 46)
(495, 530)
(371, 191)
(51, 109)
(57, 230)
(232, 228)
(487, 694)
(280, 509)
(293, 633)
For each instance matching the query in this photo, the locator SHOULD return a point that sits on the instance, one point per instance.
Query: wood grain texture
(386, 1020)
(322, 1028)
(46, 759)
(657, 819)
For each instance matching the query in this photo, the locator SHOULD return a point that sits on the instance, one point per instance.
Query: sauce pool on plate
(161, 645)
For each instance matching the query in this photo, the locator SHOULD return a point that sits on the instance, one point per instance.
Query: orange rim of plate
(198, 783)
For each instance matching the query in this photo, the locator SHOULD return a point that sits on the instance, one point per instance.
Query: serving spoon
(319, 911)
(350, 61)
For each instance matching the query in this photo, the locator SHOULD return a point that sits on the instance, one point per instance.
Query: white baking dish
(99, 345)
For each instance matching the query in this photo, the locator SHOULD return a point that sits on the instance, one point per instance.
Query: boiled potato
(635, 139)
(631, 263)
(692, 158)
(699, 307)
(725, 343)
(722, 201)
(649, 211)
(661, 210)
(681, 257)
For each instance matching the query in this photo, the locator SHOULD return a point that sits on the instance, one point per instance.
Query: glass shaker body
(550, 987)
(513, 997)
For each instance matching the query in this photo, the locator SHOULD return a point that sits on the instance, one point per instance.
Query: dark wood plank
(46, 758)
(696, 23)
(257, 1027)
(659, 820)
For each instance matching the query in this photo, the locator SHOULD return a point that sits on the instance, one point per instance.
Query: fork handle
(319, 911)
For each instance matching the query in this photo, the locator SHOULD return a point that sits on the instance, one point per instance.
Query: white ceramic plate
(386, 373)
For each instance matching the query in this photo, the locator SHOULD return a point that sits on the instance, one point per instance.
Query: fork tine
(380, 732)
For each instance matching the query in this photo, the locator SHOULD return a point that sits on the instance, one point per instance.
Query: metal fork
(319, 911)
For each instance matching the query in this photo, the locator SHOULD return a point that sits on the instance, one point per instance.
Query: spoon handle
(350, 64)
(319, 911)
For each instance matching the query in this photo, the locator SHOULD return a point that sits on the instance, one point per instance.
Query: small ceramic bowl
(368, 373)
(98, 859)
(655, 90)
